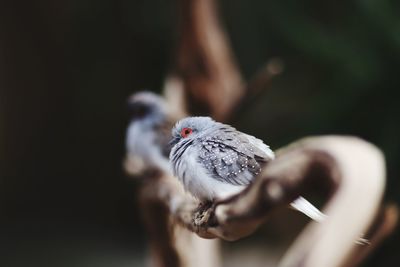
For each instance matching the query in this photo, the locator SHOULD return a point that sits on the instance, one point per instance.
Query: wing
(233, 157)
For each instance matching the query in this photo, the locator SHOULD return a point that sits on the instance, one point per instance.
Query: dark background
(67, 67)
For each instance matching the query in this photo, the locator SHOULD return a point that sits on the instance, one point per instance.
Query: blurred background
(67, 68)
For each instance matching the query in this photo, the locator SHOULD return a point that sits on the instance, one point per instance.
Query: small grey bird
(148, 134)
(215, 161)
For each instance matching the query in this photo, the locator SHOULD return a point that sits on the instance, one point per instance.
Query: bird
(214, 161)
(148, 134)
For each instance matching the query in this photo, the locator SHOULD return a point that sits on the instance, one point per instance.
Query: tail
(301, 204)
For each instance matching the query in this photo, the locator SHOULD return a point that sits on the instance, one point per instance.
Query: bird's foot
(203, 214)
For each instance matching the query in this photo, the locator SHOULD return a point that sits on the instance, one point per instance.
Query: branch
(352, 166)
(385, 223)
(257, 85)
(351, 210)
(170, 243)
(205, 63)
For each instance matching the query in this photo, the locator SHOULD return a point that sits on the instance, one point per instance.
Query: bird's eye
(186, 132)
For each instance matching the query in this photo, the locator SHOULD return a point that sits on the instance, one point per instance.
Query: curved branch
(351, 209)
(352, 166)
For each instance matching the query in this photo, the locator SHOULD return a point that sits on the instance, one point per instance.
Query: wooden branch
(170, 243)
(155, 215)
(352, 166)
(384, 225)
(212, 81)
(257, 85)
(361, 169)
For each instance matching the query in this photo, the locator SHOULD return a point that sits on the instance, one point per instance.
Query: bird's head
(146, 107)
(190, 128)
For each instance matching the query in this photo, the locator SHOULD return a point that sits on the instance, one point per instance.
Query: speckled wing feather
(232, 156)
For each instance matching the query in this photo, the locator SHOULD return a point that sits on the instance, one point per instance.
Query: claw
(203, 214)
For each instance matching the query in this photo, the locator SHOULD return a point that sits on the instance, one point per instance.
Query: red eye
(186, 132)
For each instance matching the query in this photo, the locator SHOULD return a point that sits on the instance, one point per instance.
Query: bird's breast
(199, 181)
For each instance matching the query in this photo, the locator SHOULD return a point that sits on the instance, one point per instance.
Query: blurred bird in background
(148, 134)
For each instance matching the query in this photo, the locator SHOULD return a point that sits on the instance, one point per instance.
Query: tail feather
(304, 206)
